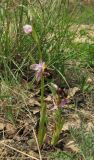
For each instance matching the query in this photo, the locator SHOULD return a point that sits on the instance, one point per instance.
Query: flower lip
(37, 67)
(64, 102)
(39, 70)
(27, 28)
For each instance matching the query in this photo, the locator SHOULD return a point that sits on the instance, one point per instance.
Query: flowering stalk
(59, 120)
(28, 29)
(39, 74)
(10, 115)
(43, 120)
(36, 39)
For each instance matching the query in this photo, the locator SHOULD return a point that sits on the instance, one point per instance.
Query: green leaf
(10, 115)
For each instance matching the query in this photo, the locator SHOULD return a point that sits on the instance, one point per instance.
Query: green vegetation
(85, 142)
(58, 49)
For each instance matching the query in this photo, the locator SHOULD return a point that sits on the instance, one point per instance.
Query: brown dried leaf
(2, 126)
(73, 121)
(72, 147)
(87, 115)
(72, 91)
(89, 127)
(3, 103)
(32, 144)
(10, 129)
(89, 80)
(34, 154)
(33, 102)
(48, 99)
(36, 110)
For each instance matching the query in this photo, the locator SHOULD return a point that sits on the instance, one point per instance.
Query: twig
(37, 144)
(36, 141)
(19, 151)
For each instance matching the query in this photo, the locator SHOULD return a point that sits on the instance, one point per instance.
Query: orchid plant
(40, 72)
(39, 75)
(59, 103)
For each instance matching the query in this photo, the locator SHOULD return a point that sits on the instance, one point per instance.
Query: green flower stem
(42, 91)
(36, 39)
(10, 115)
(42, 123)
(59, 121)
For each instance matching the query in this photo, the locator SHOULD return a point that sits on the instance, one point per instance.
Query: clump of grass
(85, 142)
(52, 37)
(50, 40)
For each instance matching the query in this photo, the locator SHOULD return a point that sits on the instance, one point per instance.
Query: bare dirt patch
(83, 33)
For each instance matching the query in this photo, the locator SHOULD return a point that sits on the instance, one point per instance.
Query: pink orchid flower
(27, 28)
(64, 102)
(39, 69)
